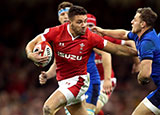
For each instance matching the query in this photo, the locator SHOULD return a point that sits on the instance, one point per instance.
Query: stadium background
(22, 20)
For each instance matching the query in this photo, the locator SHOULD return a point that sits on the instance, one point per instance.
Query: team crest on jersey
(81, 46)
(61, 44)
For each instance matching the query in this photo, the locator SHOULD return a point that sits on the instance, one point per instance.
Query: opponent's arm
(119, 49)
(145, 71)
(118, 33)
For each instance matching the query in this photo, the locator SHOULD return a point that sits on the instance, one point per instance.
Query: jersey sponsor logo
(70, 56)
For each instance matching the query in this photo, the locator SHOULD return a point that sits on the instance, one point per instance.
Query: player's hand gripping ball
(47, 51)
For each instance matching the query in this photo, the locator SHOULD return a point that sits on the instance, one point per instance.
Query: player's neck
(142, 31)
(72, 32)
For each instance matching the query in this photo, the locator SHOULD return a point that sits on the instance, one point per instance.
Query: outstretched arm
(118, 33)
(119, 49)
(145, 71)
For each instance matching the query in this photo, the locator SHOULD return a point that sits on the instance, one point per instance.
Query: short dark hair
(63, 5)
(76, 10)
(147, 15)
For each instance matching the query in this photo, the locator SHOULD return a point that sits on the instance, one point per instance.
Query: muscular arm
(35, 56)
(136, 61)
(118, 33)
(119, 49)
(31, 44)
(44, 76)
(145, 72)
(52, 70)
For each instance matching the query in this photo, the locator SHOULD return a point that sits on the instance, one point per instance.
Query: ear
(143, 24)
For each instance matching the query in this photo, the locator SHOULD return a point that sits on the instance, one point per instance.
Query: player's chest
(68, 46)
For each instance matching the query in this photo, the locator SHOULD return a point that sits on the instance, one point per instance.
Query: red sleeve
(97, 41)
(113, 40)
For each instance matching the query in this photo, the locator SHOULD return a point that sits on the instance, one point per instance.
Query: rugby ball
(47, 51)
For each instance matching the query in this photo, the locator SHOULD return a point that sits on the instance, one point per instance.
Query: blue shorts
(154, 98)
(92, 93)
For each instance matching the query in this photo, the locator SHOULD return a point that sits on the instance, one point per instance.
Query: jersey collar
(73, 38)
(147, 31)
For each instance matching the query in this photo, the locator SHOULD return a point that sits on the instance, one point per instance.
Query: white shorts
(150, 106)
(74, 88)
(103, 97)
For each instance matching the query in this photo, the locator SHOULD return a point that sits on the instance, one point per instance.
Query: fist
(43, 78)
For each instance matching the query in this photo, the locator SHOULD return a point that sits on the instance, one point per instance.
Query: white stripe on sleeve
(45, 32)
(43, 38)
(122, 42)
(105, 42)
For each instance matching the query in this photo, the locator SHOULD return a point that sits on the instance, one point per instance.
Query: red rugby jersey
(98, 58)
(71, 54)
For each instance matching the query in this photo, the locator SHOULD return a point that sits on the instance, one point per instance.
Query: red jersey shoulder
(58, 29)
(93, 36)
(113, 40)
(96, 40)
(53, 32)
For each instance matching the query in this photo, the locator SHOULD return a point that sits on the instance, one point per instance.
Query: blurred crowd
(20, 91)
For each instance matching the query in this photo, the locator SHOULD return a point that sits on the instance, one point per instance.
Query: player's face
(90, 25)
(63, 17)
(136, 24)
(79, 24)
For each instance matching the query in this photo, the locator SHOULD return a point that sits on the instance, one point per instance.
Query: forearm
(30, 46)
(131, 44)
(126, 51)
(118, 33)
(106, 62)
(52, 71)
(120, 50)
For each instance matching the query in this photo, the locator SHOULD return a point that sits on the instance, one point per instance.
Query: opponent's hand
(107, 86)
(43, 77)
(97, 30)
(143, 80)
(36, 57)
